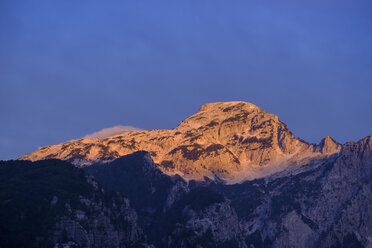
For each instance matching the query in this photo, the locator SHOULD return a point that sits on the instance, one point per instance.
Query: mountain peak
(229, 140)
(328, 146)
(362, 148)
(226, 106)
(219, 112)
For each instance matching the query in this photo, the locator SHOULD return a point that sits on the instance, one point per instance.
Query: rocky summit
(234, 141)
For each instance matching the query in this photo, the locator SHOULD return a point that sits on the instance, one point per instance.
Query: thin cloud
(107, 132)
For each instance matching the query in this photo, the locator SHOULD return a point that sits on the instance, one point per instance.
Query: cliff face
(98, 224)
(232, 140)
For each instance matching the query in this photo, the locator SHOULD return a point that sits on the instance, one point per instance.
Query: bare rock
(230, 140)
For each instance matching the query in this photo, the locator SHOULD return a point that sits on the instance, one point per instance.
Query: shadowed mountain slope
(52, 203)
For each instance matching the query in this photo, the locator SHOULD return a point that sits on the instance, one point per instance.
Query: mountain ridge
(231, 140)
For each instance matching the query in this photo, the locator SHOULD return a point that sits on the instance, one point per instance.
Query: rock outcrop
(231, 140)
(215, 225)
(328, 146)
(99, 224)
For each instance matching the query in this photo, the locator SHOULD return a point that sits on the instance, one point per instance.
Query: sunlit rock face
(231, 140)
(328, 145)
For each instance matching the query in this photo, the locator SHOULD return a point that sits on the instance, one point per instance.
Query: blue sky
(69, 68)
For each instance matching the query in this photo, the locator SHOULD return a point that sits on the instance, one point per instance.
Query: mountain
(234, 141)
(231, 175)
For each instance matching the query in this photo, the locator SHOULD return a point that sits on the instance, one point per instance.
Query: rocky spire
(328, 146)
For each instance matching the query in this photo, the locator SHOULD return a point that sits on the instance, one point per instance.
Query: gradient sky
(69, 68)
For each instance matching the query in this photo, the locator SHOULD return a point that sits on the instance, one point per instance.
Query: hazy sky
(69, 68)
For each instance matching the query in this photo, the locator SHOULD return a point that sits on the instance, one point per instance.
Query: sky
(71, 68)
